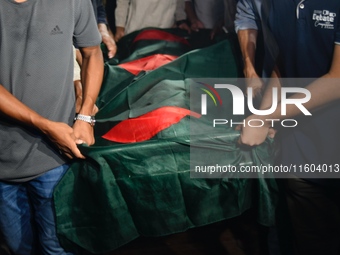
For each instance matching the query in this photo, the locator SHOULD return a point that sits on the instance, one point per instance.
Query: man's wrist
(249, 71)
(86, 118)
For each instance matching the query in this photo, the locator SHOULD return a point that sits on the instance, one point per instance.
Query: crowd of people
(47, 106)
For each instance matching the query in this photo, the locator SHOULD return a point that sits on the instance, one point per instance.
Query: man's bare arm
(92, 72)
(108, 39)
(59, 133)
(247, 40)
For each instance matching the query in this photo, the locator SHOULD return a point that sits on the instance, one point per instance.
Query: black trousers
(314, 212)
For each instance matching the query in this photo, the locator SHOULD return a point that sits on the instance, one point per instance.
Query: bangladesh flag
(136, 180)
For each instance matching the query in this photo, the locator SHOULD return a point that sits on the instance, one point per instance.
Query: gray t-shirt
(36, 66)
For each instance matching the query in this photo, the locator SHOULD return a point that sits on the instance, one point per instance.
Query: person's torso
(150, 13)
(209, 12)
(36, 62)
(305, 31)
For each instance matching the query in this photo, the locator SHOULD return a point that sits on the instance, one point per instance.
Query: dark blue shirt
(305, 32)
(99, 11)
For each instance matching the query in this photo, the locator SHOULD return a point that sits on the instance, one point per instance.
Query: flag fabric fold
(147, 63)
(146, 126)
(138, 183)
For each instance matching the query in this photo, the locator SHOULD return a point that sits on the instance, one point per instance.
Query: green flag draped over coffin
(129, 188)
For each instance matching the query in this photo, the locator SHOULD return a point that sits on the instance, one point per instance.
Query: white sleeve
(76, 67)
(121, 12)
(180, 10)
